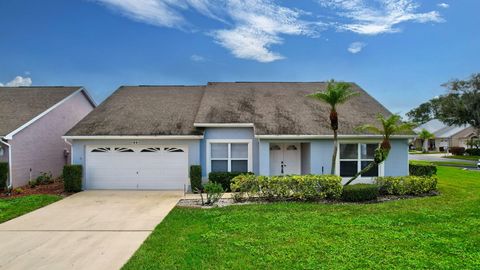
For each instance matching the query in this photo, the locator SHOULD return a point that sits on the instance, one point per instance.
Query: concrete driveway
(88, 230)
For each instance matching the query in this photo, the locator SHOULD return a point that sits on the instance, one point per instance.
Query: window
(101, 150)
(123, 150)
(229, 157)
(356, 156)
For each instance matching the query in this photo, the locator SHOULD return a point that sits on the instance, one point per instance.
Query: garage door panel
(160, 169)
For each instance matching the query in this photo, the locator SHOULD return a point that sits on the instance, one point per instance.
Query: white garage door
(136, 167)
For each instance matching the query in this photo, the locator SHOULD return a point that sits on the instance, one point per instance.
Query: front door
(285, 158)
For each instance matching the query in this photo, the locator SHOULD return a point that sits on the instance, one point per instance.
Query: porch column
(264, 158)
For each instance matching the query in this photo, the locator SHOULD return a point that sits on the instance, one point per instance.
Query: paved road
(437, 157)
(88, 230)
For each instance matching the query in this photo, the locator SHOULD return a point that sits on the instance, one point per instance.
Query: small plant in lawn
(214, 192)
(32, 183)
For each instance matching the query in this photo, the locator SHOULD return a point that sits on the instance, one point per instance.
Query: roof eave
(132, 137)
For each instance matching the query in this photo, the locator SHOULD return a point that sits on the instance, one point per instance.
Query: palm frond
(369, 128)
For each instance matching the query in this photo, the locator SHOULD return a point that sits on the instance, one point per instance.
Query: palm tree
(389, 126)
(336, 93)
(425, 135)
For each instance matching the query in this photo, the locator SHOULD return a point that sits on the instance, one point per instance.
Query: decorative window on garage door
(173, 150)
(101, 150)
(124, 150)
(151, 150)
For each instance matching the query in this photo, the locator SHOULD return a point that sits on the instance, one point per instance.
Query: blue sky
(398, 50)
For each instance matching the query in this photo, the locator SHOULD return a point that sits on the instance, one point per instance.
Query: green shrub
(3, 175)
(72, 178)
(407, 185)
(214, 192)
(360, 193)
(44, 178)
(457, 151)
(224, 178)
(291, 187)
(196, 177)
(32, 183)
(473, 152)
(422, 169)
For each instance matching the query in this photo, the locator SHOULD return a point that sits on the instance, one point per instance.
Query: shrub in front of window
(72, 178)
(224, 178)
(360, 193)
(214, 193)
(3, 175)
(457, 151)
(422, 169)
(290, 187)
(407, 185)
(473, 152)
(196, 177)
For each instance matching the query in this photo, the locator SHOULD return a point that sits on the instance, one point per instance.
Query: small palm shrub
(44, 178)
(214, 193)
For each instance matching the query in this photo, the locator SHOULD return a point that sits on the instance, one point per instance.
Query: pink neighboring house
(32, 123)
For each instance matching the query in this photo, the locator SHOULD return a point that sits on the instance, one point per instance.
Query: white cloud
(443, 5)
(197, 58)
(253, 27)
(356, 47)
(377, 17)
(18, 81)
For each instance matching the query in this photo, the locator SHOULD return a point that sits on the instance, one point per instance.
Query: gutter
(330, 136)
(140, 137)
(9, 186)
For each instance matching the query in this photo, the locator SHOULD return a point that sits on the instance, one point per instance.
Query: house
(445, 136)
(32, 122)
(146, 137)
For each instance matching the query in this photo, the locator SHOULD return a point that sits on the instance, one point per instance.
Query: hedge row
(473, 152)
(3, 175)
(360, 193)
(72, 178)
(407, 185)
(422, 169)
(280, 188)
(196, 177)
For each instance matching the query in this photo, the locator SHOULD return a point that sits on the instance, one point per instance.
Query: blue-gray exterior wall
(397, 161)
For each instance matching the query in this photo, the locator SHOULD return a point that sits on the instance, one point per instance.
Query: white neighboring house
(445, 136)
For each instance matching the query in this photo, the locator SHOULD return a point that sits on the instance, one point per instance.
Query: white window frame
(229, 159)
(381, 166)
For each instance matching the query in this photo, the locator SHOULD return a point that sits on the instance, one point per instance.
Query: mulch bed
(55, 188)
(197, 203)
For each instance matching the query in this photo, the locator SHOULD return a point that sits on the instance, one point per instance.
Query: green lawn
(12, 208)
(441, 232)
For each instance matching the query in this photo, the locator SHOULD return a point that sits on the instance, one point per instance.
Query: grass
(445, 163)
(440, 232)
(474, 158)
(12, 208)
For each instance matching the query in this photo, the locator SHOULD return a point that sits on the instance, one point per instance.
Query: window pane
(348, 151)
(368, 150)
(239, 166)
(219, 165)
(348, 168)
(219, 150)
(372, 172)
(239, 150)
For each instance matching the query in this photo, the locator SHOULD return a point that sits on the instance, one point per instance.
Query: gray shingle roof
(274, 108)
(18, 105)
(144, 110)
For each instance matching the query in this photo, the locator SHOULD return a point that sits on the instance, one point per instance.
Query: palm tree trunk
(366, 169)
(335, 150)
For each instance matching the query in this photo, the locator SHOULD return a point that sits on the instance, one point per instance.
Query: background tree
(336, 93)
(461, 105)
(424, 112)
(425, 135)
(389, 126)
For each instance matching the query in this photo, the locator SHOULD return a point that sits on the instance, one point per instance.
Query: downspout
(9, 186)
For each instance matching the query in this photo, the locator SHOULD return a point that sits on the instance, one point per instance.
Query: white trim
(381, 166)
(81, 89)
(353, 136)
(229, 141)
(140, 137)
(223, 124)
